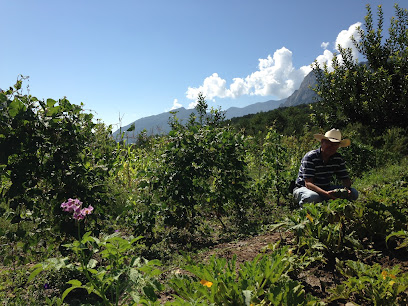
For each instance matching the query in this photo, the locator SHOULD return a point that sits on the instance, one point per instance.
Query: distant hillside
(255, 108)
(158, 124)
(304, 95)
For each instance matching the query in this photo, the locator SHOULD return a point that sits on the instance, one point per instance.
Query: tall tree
(373, 92)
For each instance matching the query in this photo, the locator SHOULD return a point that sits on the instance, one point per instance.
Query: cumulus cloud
(325, 45)
(275, 76)
(344, 40)
(176, 105)
(325, 58)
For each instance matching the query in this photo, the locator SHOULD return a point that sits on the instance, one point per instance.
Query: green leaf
(67, 291)
(154, 262)
(34, 273)
(93, 271)
(135, 239)
(92, 263)
(155, 272)
(15, 107)
(74, 282)
(51, 102)
(53, 110)
(149, 292)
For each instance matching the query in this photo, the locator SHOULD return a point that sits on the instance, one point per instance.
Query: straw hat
(334, 135)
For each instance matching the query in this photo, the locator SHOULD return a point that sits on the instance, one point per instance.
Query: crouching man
(317, 168)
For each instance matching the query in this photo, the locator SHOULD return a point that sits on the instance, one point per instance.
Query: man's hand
(332, 194)
(342, 193)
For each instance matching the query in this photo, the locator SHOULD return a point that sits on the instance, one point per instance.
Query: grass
(390, 173)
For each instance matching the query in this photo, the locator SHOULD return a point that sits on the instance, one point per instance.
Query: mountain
(158, 124)
(253, 108)
(304, 95)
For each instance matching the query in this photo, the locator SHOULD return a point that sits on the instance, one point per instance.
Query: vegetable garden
(203, 216)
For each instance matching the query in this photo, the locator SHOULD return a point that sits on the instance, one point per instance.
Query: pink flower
(87, 210)
(71, 205)
(75, 206)
(78, 215)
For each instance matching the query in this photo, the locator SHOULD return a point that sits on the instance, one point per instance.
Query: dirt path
(247, 249)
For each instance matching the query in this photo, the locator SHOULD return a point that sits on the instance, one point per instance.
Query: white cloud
(325, 58)
(325, 45)
(344, 38)
(192, 105)
(275, 76)
(176, 105)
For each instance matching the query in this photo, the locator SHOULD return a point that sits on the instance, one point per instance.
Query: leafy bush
(371, 284)
(325, 227)
(264, 280)
(52, 150)
(109, 269)
(202, 171)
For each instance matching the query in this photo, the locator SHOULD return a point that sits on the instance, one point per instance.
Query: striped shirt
(312, 166)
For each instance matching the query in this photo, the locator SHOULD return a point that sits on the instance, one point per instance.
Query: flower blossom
(71, 205)
(75, 206)
(87, 210)
(206, 283)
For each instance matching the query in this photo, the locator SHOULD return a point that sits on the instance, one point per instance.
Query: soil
(316, 279)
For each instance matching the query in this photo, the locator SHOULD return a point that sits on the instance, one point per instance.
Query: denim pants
(304, 195)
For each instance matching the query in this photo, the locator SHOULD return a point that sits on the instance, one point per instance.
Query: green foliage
(371, 284)
(287, 121)
(325, 228)
(280, 168)
(385, 212)
(202, 171)
(111, 271)
(400, 234)
(201, 180)
(264, 280)
(372, 93)
(52, 150)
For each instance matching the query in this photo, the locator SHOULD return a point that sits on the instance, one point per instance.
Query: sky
(129, 59)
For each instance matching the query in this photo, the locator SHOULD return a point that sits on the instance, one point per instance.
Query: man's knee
(305, 195)
(311, 197)
(353, 194)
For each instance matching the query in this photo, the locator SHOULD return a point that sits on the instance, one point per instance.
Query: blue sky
(131, 59)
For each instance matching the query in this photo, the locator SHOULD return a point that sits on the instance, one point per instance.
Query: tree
(202, 170)
(373, 92)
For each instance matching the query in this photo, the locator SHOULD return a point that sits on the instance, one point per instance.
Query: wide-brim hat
(334, 135)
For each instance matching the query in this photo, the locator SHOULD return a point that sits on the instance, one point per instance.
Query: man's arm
(347, 183)
(310, 185)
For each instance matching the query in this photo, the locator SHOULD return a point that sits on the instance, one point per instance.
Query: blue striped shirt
(312, 166)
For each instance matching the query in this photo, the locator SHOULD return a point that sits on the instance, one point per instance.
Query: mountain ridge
(159, 124)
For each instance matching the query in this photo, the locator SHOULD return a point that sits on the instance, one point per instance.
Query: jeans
(304, 195)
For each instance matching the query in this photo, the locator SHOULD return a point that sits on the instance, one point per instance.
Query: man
(317, 168)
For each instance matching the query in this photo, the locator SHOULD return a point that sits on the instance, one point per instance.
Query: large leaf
(15, 107)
